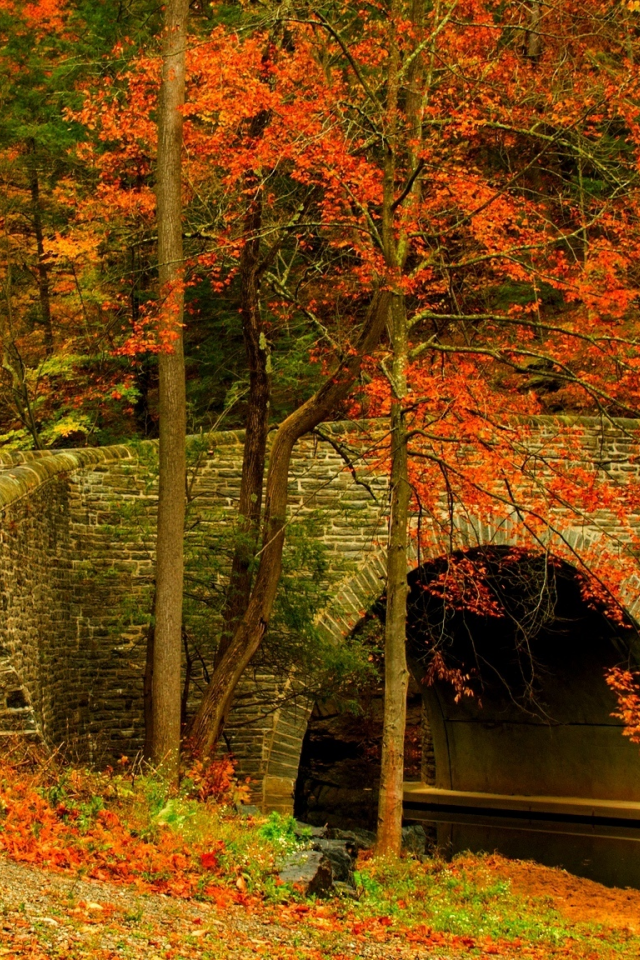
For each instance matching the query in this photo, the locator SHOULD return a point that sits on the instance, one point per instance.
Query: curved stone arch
(282, 740)
(282, 747)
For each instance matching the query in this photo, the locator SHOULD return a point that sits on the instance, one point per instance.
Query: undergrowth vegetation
(125, 826)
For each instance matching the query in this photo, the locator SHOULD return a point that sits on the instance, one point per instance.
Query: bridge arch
(280, 756)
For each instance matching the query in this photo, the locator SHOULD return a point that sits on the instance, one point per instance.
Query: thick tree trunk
(256, 428)
(211, 715)
(167, 647)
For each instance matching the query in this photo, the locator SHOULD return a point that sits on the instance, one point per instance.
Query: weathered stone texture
(34, 572)
(77, 558)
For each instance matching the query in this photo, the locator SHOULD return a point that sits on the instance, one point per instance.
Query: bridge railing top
(33, 468)
(22, 471)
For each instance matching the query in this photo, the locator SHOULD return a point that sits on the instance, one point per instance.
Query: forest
(408, 229)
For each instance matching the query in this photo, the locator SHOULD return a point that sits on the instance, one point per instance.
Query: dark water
(608, 852)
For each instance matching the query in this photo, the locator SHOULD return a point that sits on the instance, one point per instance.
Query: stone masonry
(76, 568)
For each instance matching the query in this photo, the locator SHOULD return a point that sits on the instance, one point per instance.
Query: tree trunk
(396, 674)
(395, 240)
(209, 720)
(256, 428)
(43, 276)
(147, 694)
(167, 647)
(11, 363)
(533, 39)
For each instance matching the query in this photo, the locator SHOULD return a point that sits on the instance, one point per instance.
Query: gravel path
(51, 915)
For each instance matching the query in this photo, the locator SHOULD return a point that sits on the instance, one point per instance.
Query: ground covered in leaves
(111, 865)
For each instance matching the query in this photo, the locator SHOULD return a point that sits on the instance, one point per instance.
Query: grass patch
(472, 907)
(453, 898)
(127, 827)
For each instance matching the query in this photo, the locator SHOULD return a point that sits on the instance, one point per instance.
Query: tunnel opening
(511, 654)
(339, 772)
(513, 746)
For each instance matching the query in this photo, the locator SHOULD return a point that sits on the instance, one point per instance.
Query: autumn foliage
(625, 685)
(522, 239)
(104, 827)
(502, 174)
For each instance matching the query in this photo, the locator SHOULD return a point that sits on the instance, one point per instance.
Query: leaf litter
(99, 866)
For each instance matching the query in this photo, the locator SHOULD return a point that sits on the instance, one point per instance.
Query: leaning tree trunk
(209, 720)
(167, 646)
(256, 428)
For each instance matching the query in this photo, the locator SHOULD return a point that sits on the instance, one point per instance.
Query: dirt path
(49, 915)
(52, 916)
(580, 900)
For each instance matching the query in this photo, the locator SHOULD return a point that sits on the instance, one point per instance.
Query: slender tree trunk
(404, 134)
(396, 673)
(147, 694)
(11, 362)
(146, 361)
(256, 428)
(533, 39)
(167, 647)
(43, 276)
(209, 720)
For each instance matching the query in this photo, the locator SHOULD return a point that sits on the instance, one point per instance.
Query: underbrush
(126, 826)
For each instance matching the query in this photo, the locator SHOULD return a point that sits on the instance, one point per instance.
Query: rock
(341, 856)
(361, 839)
(414, 839)
(345, 890)
(309, 871)
(248, 810)
(308, 832)
(327, 866)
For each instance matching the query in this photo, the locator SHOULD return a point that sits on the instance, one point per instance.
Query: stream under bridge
(76, 569)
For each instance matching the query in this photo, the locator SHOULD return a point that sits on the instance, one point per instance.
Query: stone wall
(34, 567)
(77, 555)
(36, 586)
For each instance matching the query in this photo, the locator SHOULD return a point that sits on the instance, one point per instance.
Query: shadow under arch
(281, 744)
(538, 720)
(533, 764)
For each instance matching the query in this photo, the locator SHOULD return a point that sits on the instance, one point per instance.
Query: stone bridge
(77, 558)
